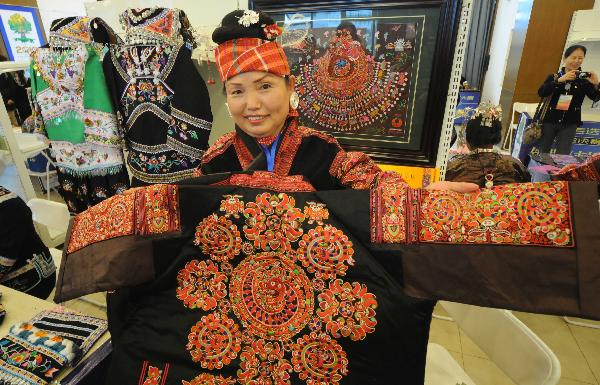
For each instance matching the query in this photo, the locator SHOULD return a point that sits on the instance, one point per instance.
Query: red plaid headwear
(250, 54)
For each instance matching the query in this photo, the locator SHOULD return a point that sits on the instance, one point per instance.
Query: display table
(21, 307)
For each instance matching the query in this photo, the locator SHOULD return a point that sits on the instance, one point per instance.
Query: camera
(582, 75)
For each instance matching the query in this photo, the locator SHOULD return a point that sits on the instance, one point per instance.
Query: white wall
(499, 47)
(56, 9)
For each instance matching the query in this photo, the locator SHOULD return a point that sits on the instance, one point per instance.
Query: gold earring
(228, 110)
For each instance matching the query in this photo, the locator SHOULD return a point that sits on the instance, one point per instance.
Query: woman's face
(574, 60)
(259, 102)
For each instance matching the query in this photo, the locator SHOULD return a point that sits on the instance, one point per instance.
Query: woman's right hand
(569, 76)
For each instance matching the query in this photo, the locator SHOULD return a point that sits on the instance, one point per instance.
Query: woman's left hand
(593, 78)
(459, 187)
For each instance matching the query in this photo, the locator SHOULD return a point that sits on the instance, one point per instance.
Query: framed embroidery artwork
(374, 74)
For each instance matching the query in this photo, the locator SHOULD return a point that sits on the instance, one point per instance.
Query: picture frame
(20, 30)
(387, 99)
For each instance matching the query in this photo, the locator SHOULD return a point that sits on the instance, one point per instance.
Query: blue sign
(587, 140)
(466, 99)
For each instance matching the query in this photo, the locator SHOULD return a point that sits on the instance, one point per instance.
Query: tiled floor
(577, 349)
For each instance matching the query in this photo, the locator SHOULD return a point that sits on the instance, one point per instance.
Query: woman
(567, 90)
(484, 165)
(263, 104)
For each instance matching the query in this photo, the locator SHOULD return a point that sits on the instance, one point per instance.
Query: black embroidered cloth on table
(304, 284)
(30, 356)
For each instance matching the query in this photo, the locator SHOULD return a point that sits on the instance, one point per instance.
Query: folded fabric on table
(82, 329)
(30, 356)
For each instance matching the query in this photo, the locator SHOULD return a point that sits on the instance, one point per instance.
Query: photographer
(568, 89)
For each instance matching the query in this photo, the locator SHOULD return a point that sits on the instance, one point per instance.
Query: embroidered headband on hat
(245, 44)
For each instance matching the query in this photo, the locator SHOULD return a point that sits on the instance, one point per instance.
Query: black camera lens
(583, 75)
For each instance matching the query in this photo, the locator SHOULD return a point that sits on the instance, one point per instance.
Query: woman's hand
(459, 187)
(593, 78)
(569, 76)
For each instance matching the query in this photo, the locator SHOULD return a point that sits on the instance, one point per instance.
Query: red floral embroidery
(316, 212)
(208, 379)
(144, 211)
(151, 375)
(232, 205)
(157, 209)
(326, 251)
(355, 170)
(218, 237)
(513, 214)
(263, 363)
(219, 147)
(271, 296)
(319, 360)
(201, 285)
(243, 153)
(590, 170)
(214, 341)
(272, 222)
(517, 214)
(348, 310)
(111, 218)
(270, 181)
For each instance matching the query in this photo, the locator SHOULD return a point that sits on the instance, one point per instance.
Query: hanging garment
(75, 112)
(26, 264)
(162, 100)
(311, 286)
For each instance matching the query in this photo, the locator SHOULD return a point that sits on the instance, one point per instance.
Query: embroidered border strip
(148, 210)
(527, 214)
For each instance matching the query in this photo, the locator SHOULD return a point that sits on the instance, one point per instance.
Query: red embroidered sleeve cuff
(531, 214)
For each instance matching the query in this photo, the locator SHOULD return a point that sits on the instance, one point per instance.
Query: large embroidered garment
(162, 100)
(306, 287)
(71, 96)
(25, 262)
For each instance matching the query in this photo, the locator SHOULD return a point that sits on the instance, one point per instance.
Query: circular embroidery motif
(214, 341)
(326, 252)
(264, 363)
(271, 296)
(272, 222)
(201, 285)
(218, 237)
(318, 359)
(348, 310)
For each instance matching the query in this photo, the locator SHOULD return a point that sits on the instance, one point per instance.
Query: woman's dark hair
(573, 48)
(478, 135)
(230, 27)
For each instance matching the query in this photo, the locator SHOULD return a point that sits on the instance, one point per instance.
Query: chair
(517, 108)
(51, 220)
(508, 342)
(442, 369)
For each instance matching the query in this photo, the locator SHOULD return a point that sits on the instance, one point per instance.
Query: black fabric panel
(158, 323)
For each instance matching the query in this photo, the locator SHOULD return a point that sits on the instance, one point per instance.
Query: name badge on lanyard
(564, 100)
